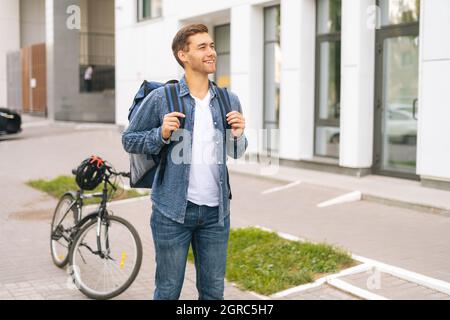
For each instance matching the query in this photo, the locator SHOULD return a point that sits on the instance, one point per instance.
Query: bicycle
(104, 251)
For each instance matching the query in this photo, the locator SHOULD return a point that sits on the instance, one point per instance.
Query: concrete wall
(434, 91)
(97, 20)
(298, 30)
(97, 16)
(101, 16)
(247, 44)
(32, 22)
(10, 41)
(357, 85)
(14, 80)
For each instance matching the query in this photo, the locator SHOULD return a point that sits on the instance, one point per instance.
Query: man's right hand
(171, 123)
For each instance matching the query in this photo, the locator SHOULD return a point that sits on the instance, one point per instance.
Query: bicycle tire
(59, 260)
(76, 274)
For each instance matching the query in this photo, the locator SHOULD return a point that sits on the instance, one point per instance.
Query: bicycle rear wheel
(108, 276)
(64, 219)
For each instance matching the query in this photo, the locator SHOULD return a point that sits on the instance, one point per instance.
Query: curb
(407, 205)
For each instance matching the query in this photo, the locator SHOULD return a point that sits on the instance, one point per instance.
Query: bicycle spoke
(89, 248)
(115, 272)
(103, 275)
(65, 213)
(108, 275)
(63, 245)
(98, 281)
(81, 255)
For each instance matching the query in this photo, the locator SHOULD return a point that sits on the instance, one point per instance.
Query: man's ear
(182, 56)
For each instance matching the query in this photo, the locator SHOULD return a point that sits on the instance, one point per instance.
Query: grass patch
(59, 185)
(265, 263)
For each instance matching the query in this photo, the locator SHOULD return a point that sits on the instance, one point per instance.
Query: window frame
(396, 25)
(140, 11)
(334, 37)
(268, 137)
(221, 53)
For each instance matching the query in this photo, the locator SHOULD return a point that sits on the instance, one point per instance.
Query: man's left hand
(237, 122)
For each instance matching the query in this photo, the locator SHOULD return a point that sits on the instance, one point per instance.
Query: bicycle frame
(100, 214)
(101, 217)
(88, 242)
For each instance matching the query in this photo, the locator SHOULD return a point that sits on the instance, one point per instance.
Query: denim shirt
(144, 136)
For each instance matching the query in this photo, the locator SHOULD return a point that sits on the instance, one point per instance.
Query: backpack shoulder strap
(175, 103)
(224, 101)
(172, 90)
(225, 105)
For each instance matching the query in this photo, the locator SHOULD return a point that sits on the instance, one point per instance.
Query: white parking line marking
(282, 234)
(321, 281)
(344, 286)
(349, 197)
(290, 185)
(407, 275)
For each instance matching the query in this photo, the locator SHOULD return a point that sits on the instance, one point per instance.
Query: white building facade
(353, 86)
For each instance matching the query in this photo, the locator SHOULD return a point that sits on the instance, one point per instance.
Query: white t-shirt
(204, 177)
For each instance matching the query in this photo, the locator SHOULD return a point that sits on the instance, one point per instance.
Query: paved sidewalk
(411, 239)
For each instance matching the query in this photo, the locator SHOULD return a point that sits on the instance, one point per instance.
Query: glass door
(396, 102)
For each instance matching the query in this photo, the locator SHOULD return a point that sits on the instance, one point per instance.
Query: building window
(222, 41)
(97, 62)
(399, 11)
(272, 76)
(149, 9)
(328, 74)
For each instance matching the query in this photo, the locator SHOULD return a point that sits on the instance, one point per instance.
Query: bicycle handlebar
(112, 171)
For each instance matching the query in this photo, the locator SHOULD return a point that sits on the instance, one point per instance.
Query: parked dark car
(10, 121)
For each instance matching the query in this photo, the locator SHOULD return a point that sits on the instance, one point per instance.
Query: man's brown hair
(180, 41)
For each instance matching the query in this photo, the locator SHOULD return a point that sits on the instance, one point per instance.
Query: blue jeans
(209, 245)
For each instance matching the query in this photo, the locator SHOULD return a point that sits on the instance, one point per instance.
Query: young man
(192, 204)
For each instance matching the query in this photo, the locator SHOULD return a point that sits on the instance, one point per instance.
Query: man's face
(202, 55)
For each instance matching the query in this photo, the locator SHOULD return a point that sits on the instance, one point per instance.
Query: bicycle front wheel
(107, 273)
